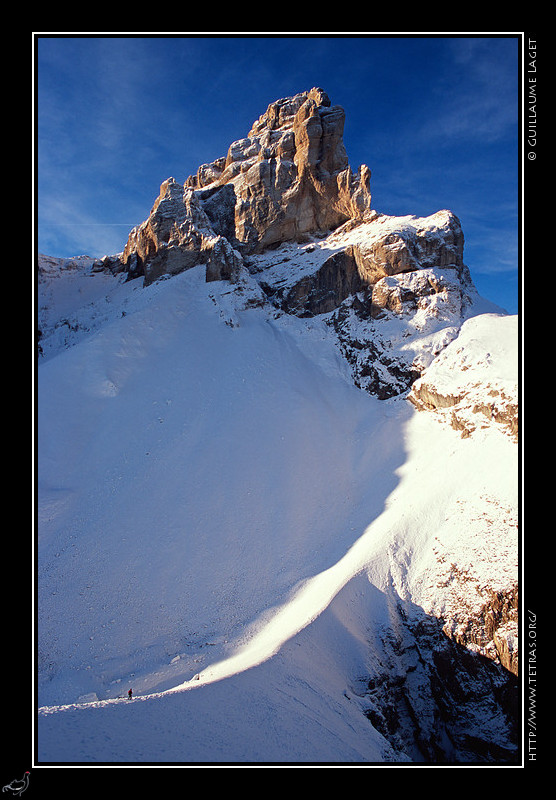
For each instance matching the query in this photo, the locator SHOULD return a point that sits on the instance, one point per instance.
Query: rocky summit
(288, 178)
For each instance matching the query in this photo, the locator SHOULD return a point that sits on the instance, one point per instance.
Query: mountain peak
(288, 178)
(215, 495)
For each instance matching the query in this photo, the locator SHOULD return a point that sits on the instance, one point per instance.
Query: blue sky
(435, 119)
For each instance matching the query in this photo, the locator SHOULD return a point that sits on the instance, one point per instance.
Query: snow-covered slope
(227, 525)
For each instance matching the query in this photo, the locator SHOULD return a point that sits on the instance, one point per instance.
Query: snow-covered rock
(474, 381)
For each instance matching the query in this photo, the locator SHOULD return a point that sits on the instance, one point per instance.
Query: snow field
(221, 518)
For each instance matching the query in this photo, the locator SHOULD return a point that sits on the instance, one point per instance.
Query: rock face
(441, 703)
(177, 236)
(473, 382)
(288, 178)
(385, 250)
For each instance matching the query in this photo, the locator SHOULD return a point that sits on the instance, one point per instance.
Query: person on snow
(129, 694)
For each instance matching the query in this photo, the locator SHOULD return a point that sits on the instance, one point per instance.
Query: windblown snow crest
(277, 476)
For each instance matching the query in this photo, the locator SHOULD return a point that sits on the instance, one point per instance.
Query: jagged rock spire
(288, 178)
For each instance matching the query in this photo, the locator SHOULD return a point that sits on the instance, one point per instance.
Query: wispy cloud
(478, 98)
(65, 220)
(491, 248)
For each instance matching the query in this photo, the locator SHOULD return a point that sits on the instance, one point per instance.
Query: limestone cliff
(288, 178)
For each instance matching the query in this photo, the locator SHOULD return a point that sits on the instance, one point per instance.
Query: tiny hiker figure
(129, 694)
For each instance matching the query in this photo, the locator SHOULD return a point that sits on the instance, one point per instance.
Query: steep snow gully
(232, 529)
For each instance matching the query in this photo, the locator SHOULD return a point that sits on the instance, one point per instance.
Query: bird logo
(17, 787)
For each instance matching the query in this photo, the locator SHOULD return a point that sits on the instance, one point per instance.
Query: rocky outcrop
(496, 407)
(469, 579)
(441, 703)
(289, 181)
(390, 259)
(288, 178)
(322, 291)
(473, 382)
(492, 629)
(177, 236)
